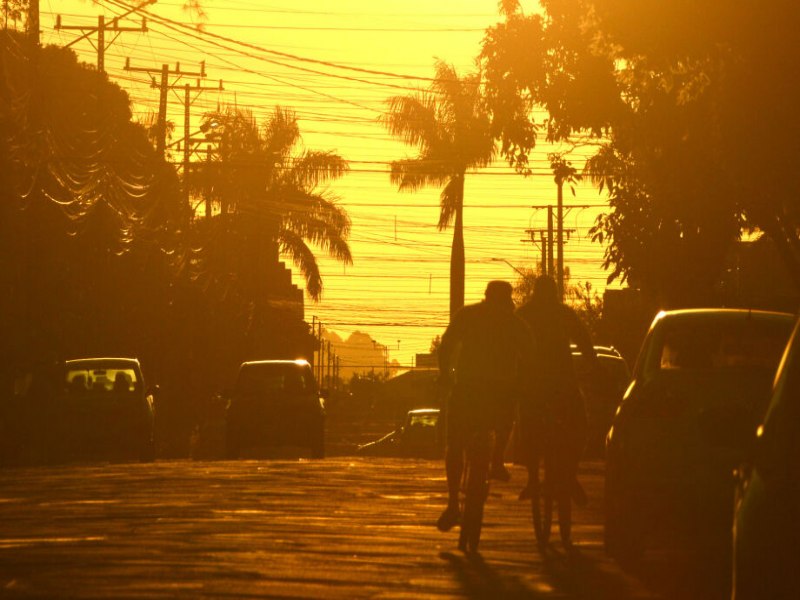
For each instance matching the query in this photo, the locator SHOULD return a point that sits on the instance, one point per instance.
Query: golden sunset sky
(315, 57)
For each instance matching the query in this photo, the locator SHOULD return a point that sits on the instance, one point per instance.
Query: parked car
(86, 407)
(602, 394)
(420, 436)
(767, 519)
(700, 385)
(275, 403)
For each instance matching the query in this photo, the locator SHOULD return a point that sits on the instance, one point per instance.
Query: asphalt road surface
(343, 527)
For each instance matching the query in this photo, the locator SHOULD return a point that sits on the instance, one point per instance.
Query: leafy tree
(269, 200)
(82, 192)
(670, 91)
(449, 127)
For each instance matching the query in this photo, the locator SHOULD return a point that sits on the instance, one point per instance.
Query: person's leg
(502, 433)
(454, 467)
(531, 444)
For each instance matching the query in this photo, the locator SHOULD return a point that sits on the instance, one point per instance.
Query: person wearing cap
(480, 357)
(553, 408)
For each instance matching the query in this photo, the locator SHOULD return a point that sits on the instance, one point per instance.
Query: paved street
(343, 527)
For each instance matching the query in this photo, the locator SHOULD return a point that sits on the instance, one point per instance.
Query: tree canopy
(271, 197)
(693, 107)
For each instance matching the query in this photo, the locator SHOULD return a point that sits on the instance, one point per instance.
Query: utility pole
(330, 366)
(550, 240)
(555, 233)
(33, 21)
(188, 142)
(164, 86)
(101, 29)
(321, 350)
(560, 237)
(544, 241)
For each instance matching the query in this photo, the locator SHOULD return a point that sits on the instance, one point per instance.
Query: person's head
(498, 293)
(545, 290)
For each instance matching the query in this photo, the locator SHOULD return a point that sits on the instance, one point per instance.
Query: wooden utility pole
(560, 237)
(550, 240)
(101, 29)
(33, 21)
(164, 86)
(189, 143)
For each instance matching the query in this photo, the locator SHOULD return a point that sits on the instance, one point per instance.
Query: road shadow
(687, 575)
(480, 580)
(561, 574)
(576, 575)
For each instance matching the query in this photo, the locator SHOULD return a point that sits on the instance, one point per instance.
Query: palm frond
(413, 120)
(412, 174)
(315, 167)
(280, 134)
(451, 200)
(295, 247)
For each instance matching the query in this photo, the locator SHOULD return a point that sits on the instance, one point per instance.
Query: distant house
(416, 388)
(426, 360)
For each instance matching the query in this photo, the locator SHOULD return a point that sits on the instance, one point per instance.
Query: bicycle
(543, 488)
(475, 485)
(542, 500)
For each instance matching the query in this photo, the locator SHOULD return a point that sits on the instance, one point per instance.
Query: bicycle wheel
(476, 490)
(542, 510)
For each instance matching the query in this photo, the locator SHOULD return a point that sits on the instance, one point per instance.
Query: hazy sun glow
(335, 64)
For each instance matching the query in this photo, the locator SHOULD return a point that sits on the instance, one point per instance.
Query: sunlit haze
(335, 64)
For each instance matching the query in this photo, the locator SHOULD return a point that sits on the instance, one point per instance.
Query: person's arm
(450, 339)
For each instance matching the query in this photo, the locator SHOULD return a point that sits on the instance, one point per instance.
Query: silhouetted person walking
(479, 357)
(553, 412)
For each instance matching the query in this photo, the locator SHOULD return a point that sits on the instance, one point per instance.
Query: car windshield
(423, 419)
(274, 378)
(722, 344)
(85, 379)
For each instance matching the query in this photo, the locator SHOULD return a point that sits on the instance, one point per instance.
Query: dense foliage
(101, 253)
(693, 107)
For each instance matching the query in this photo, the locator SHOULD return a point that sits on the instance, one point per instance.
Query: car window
(722, 344)
(424, 419)
(83, 380)
(272, 378)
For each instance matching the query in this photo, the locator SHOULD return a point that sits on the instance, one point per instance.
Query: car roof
(424, 411)
(299, 362)
(710, 314)
(102, 361)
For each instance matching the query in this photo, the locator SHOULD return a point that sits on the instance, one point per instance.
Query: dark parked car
(87, 407)
(275, 403)
(766, 529)
(700, 385)
(420, 436)
(602, 392)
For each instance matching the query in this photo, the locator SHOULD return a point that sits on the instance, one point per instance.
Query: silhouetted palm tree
(451, 131)
(267, 195)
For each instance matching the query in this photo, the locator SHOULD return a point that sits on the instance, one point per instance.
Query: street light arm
(521, 273)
